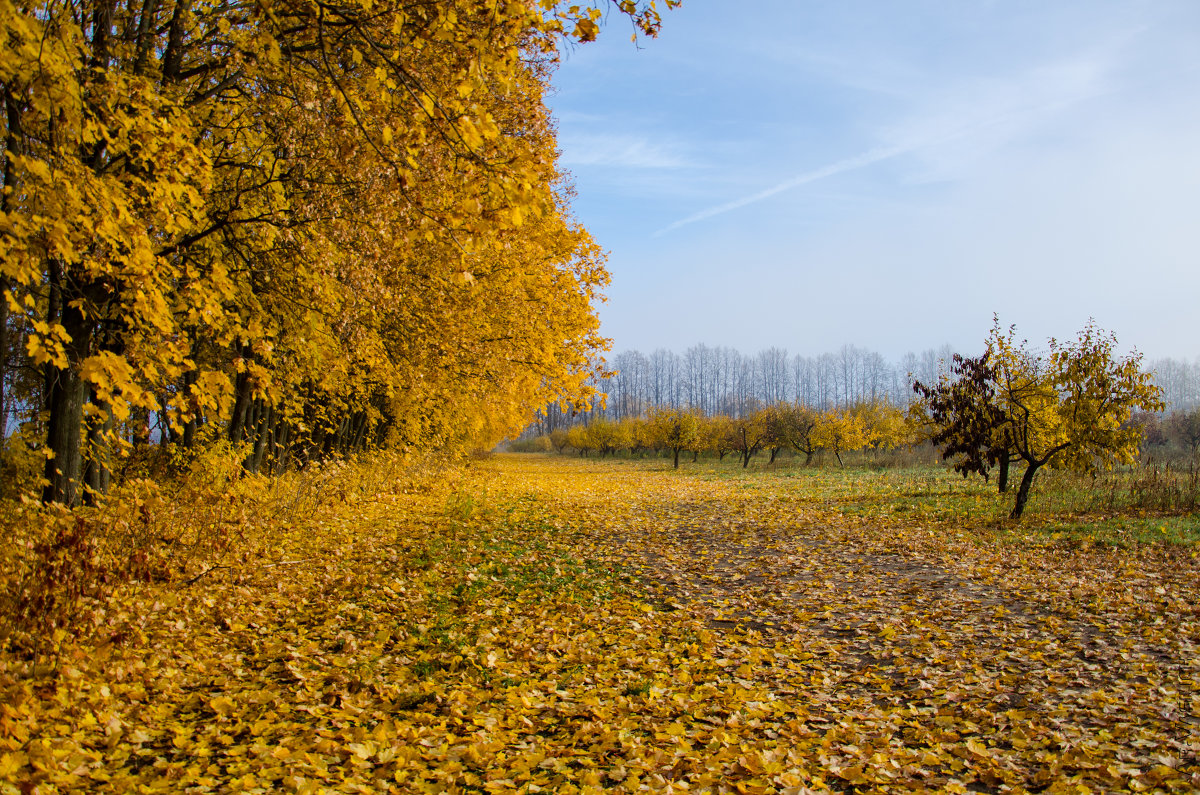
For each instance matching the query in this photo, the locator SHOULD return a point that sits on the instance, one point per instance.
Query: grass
(1122, 530)
(1144, 503)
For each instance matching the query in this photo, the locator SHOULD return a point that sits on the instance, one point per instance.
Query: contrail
(880, 153)
(849, 164)
(885, 152)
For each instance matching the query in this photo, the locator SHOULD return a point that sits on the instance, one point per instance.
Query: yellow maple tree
(299, 228)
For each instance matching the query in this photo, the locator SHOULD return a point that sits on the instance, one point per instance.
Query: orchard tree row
(297, 228)
(770, 430)
(721, 380)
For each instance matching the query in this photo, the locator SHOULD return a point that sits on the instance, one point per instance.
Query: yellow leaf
(222, 705)
(9, 765)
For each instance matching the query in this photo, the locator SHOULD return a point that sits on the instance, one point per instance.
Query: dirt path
(946, 630)
(911, 654)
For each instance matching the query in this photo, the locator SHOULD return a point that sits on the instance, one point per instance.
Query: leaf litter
(568, 625)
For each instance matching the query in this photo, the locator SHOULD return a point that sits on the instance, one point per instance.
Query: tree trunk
(283, 448)
(1023, 491)
(346, 433)
(253, 419)
(66, 389)
(258, 429)
(381, 430)
(239, 424)
(807, 457)
(65, 393)
(189, 427)
(97, 471)
(695, 456)
(172, 59)
(1002, 478)
(3, 359)
(677, 458)
(263, 439)
(774, 452)
(63, 436)
(357, 423)
(343, 434)
(364, 433)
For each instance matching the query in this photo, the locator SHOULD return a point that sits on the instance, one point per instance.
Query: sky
(807, 174)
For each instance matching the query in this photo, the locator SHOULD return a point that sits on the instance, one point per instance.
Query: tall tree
(321, 223)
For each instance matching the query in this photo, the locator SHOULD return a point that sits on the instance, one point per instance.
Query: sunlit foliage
(1069, 408)
(301, 227)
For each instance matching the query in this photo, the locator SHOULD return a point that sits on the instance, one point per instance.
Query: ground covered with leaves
(553, 624)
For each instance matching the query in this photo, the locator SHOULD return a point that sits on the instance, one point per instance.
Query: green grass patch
(1138, 504)
(1118, 530)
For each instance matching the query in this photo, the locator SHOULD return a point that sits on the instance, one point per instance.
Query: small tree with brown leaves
(969, 423)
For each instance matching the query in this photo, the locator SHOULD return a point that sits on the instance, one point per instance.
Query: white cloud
(619, 150)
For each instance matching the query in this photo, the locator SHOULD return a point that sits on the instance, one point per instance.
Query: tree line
(716, 380)
(295, 228)
(1179, 381)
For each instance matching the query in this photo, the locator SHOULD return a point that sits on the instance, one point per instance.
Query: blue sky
(811, 174)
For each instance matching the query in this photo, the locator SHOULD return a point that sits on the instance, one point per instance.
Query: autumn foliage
(1069, 409)
(300, 228)
(868, 428)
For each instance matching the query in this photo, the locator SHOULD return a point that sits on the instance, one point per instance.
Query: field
(543, 623)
